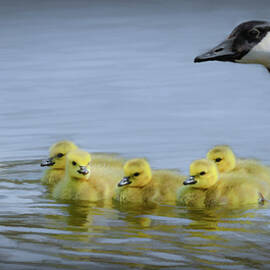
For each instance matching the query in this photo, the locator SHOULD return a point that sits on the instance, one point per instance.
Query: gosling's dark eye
(254, 33)
(59, 155)
(136, 174)
(202, 173)
(218, 159)
(74, 163)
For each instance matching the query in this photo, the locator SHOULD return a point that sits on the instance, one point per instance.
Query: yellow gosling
(204, 188)
(194, 195)
(85, 182)
(226, 162)
(56, 162)
(224, 158)
(144, 186)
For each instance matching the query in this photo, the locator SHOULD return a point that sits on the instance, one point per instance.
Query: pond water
(118, 76)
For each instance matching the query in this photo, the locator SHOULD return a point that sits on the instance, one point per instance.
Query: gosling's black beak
(190, 181)
(222, 52)
(83, 170)
(47, 162)
(125, 181)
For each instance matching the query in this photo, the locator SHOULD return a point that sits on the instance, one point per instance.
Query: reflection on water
(36, 231)
(117, 76)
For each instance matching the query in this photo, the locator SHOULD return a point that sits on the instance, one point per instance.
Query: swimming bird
(226, 162)
(204, 187)
(84, 181)
(56, 162)
(249, 43)
(144, 186)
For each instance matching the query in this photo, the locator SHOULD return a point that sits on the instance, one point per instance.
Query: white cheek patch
(259, 54)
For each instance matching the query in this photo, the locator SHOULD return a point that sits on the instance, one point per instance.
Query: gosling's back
(235, 190)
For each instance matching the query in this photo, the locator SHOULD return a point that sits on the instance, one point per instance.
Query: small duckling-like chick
(144, 186)
(56, 162)
(226, 162)
(84, 182)
(249, 43)
(224, 158)
(204, 188)
(194, 195)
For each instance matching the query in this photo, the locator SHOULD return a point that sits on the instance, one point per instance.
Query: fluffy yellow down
(144, 186)
(83, 181)
(226, 162)
(56, 162)
(204, 188)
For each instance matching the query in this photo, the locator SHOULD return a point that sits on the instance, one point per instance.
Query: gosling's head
(223, 156)
(57, 156)
(137, 173)
(203, 174)
(78, 164)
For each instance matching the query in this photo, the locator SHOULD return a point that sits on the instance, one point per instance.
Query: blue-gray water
(118, 76)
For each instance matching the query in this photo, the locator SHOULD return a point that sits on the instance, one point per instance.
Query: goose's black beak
(47, 162)
(125, 181)
(83, 170)
(222, 52)
(190, 181)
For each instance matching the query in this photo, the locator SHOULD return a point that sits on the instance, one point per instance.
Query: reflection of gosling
(83, 182)
(56, 162)
(203, 188)
(226, 162)
(141, 185)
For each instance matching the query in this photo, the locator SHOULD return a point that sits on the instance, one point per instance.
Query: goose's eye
(202, 173)
(59, 155)
(136, 174)
(74, 163)
(254, 33)
(218, 159)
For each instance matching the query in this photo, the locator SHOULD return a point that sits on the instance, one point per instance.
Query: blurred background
(118, 76)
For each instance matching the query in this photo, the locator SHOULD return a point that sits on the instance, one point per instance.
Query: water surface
(117, 76)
